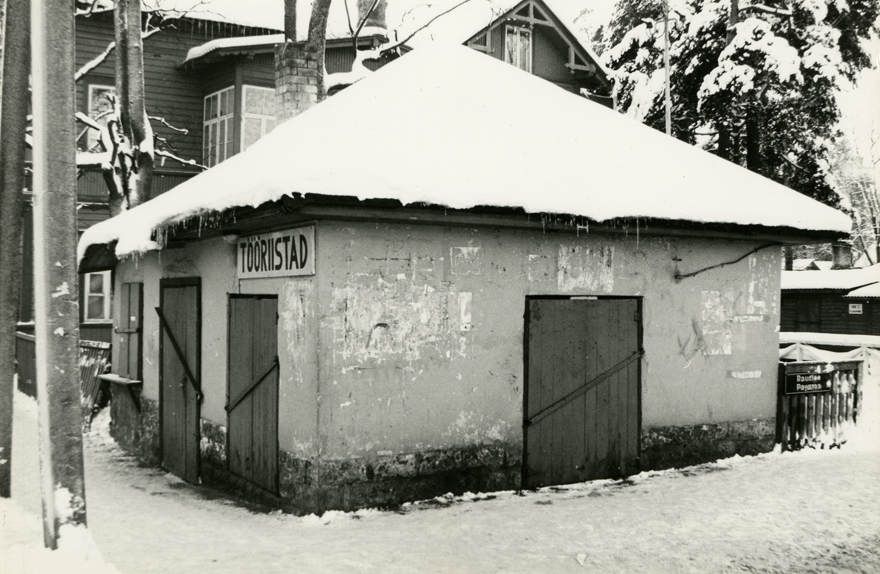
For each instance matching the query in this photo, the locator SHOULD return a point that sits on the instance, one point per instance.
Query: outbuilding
(450, 276)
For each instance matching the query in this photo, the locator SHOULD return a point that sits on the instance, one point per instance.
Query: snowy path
(804, 512)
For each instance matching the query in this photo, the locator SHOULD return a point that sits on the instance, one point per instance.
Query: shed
(451, 276)
(841, 301)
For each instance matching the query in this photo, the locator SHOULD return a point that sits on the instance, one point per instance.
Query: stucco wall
(410, 338)
(421, 329)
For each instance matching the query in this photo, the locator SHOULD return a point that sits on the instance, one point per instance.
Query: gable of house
(531, 37)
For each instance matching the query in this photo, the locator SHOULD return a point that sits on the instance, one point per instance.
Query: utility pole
(13, 122)
(55, 273)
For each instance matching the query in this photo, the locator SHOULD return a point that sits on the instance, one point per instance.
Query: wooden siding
(828, 312)
(173, 93)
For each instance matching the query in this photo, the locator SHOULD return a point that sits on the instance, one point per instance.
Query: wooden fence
(817, 401)
(94, 358)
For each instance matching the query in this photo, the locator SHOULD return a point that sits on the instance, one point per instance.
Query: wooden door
(253, 389)
(180, 390)
(582, 405)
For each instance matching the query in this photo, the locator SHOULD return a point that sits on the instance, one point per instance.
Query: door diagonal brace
(253, 385)
(583, 388)
(189, 374)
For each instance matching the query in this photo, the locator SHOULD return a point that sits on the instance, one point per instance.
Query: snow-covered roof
(832, 339)
(867, 292)
(242, 42)
(429, 116)
(842, 279)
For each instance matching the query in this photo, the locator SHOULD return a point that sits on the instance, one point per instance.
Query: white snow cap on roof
(450, 126)
(843, 279)
(868, 291)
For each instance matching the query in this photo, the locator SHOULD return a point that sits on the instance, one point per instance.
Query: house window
(258, 117)
(809, 312)
(518, 47)
(100, 109)
(97, 294)
(218, 133)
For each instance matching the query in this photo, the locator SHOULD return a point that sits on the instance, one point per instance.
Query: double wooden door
(252, 404)
(582, 403)
(180, 389)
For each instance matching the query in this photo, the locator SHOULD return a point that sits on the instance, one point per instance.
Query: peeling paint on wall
(716, 315)
(377, 320)
(292, 316)
(466, 260)
(472, 428)
(589, 269)
(541, 268)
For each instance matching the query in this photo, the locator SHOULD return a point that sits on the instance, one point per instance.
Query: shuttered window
(129, 331)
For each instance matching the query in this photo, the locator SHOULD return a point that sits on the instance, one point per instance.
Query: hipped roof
(449, 126)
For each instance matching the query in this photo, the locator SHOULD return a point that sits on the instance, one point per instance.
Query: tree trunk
(754, 160)
(55, 272)
(290, 20)
(133, 140)
(15, 97)
(317, 40)
(725, 140)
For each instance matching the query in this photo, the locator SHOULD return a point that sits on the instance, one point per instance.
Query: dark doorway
(253, 389)
(180, 390)
(582, 404)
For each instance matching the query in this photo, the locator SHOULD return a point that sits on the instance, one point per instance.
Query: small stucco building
(450, 276)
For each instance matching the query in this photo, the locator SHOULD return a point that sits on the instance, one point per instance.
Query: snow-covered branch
(165, 123)
(766, 9)
(169, 155)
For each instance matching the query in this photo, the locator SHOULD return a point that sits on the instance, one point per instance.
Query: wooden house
(838, 301)
(430, 314)
(210, 80)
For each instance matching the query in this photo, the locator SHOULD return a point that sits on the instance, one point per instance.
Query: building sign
(280, 254)
(799, 383)
(855, 308)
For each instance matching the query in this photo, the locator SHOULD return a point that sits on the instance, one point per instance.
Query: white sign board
(855, 308)
(288, 253)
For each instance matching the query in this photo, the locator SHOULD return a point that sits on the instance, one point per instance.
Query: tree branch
(192, 162)
(164, 122)
(428, 23)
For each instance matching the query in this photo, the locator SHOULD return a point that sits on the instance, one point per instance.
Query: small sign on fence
(816, 399)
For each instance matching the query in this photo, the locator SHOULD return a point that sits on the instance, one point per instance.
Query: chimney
(841, 256)
(296, 79)
(377, 17)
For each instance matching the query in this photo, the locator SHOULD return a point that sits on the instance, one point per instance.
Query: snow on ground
(811, 511)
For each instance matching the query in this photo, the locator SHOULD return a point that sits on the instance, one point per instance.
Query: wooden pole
(55, 273)
(666, 67)
(16, 65)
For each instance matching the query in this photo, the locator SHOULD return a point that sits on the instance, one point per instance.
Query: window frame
(213, 123)
(518, 31)
(264, 119)
(93, 137)
(106, 293)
